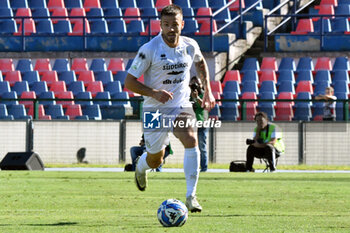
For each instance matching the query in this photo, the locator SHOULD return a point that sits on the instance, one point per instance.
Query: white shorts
(156, 139)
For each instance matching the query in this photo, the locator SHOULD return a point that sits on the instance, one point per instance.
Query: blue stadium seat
(112, 13)
(250, 64)
(182, 3)
(341, 63)
(120, 76)
(286, 86)
(24, 65)
(341, 87)
(120, 95)
(303, 96)
(232, 86)
(303, 113)
(92, 111)
(317, 109)
(323, 76)
(99, 27)
(19, 4)
(230, 96)
(287, 63)
(342, 9)
(250, 86)
(135, 27)
(4, 114)
(269, 110)
(9, 95)
(215, 112)
(61, 64)
(104, 76)
(106, 96)
(94, 14)
(5, 4)
(268, 86)
(30, 77)
(149, 12)
(44, 26)
(116, 26)
(216, 4)
(229, 113)
(18, 111)
(145, 3)
(191, 26)
(19, 87)
(62, 27)
(127, 3)
(76, 87)
(326, 26)
(285, 75)
(339, 107)
(109, 4)
(6, 12)
(340, 75)
(56, 112)
(250, 75)
(4, 87)
(128, 64)
(84, 96)
(320, 87)
(40, 4)
(340, 24)
(199, 3)
(49, 96)
(67, 76)
(188, 13)
(113, 87)
(98, 64)
(38, 87)
(305, 63)
(8, 26)
(74, 3)
(223, 16)
(266, 96)
(40, 12)
(305, 75)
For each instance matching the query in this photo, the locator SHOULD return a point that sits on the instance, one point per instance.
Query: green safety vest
(266, 137)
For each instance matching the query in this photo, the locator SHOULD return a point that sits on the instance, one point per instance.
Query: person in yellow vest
(267, 142)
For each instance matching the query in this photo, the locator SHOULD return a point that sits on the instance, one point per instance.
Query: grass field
(232, 202)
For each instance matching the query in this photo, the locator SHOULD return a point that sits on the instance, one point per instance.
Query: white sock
(142, 164)
(191, 169)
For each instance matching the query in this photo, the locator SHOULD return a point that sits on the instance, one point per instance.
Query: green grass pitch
(232, 202)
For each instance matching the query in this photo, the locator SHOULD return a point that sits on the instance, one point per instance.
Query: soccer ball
(172, 213)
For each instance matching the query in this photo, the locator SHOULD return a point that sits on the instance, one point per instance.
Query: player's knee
(190, 141)
(155, 162)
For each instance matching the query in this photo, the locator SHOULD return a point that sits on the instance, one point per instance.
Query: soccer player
(165, 62)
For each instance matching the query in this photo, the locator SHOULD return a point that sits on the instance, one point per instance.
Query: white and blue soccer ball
(172, 213)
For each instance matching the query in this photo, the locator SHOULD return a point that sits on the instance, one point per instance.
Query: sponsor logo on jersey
(175, 81)
(175, 66)
(175, 72)
(163, 57)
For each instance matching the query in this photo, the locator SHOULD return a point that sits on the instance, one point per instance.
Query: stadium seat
(18, 111)
(325, 10)
(155, 28)
(215, 112)
(24, 65)
(105, 4)
(284, 113)
(205, 28)
(76, 87)
(95, 87)
(21, 13)
(73, 111)
(79, 64)
(85, 98)
(229, 113)
(40, 12)
(92, 4)
(20, 87)
(120, 76)
(56, 112)
(327, 2)
(232, 86)
(127, 3)
(250, 64)
(339, 108)
(160, 4)
(199, 3)
(61, 64)
(98, 64)
(304, 86)
(87, 76)
(287, 63)
(13, 76)
(268, 86)
(9, 95)
(116, 64)
(132, 14)
(149, 12)
(95, 14)
(250, 86)
(92, 111)
(5, 4)
(41, 112)
(4, 114)
(326, 23)
(113, 14)
(38, 87)
(8, 26)
(135, 27)
(323, 76)
(320, 87)
(42, 65)
(182, 3)
(268, 75)
(76, 12)
(6, 65)
(235, 5)
(188, 13)
(285, 96)
(231, 75)
(342, 9)
(250, 76)
(73, 4)
(31, 77)
(65, 95)
(27, 95)
(203, 11)
(78, 28)
(340, 75)
(286, 86)
(58, 14)
(285, 75)
(269, 63)
(103, 99)
(37, 4)
(304, 75)
(123, 96)
(191, 27)
(113, 87)
(216, 86)
(223, 17)
(116, 26)
(303, 96)
(99, 27)
(4, 87)
(67, 76)
(56, 4)
(104, 76)
(341, 63)
(340, 25)
(266, 96)
(323, 63)
(230, 96)
(49, 97)
(305, 63)
(304, 26)
(62, 27)
(58, 87)
(6, 12)
(303, 113)
(341, 87)
(50, 77)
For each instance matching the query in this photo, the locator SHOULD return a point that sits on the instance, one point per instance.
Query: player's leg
(188, 138)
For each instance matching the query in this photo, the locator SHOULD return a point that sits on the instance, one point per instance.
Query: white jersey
(167, 68)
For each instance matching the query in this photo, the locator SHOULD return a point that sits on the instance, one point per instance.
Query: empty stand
(67, 76)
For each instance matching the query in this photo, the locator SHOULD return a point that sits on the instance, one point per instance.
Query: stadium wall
(109, 142)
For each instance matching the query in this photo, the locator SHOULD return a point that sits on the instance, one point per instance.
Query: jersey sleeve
(198, 56)
(140, 63)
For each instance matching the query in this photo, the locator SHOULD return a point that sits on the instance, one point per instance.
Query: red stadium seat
(95, 87)
(73, 111)
(304, 86)
(50, 77)
(79, 64)
(65, 95)
(216, 86)
(327, 2)
(27, 95)
(268, 75)
(304, 26)
(231, 75)
(92, 4)
(286, 96)
(6, 65)
(41, 112)
(13, 76)
(116, 64)
(58, 87)
(86, 76)
(59, 12)
(269, 63)
(324, 10)
(155, 28)
(204, 11)
(323, 63)
(78, 28)
(55, 4)
(132, 11)
(22, 12)
(205, 28)
(77, 12)
(235, 5)
(217, 96)
(160, 4)
(42, 65)
(29, 28)
(318, 118)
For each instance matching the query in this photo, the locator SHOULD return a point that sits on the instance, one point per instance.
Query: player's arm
(134, 85)
(208, 101)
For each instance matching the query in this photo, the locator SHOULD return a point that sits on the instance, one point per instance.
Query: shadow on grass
(53, 224)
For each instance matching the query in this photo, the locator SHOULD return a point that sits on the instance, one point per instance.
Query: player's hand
(163, 96)
(208, 101)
